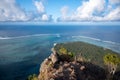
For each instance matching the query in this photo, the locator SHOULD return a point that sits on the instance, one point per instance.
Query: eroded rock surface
(54, 69)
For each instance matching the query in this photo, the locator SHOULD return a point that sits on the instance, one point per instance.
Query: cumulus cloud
(41, 13)
(88, 8)
(94, 10)
(45, 17)
(39, 6)
(113, 15)
(9, 11)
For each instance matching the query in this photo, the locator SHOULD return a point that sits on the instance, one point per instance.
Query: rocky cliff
(53, 68)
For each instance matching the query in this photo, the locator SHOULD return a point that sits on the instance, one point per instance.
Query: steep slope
(54, 69)
(76, 61)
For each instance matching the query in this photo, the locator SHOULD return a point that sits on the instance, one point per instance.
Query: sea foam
(35, 35)
(96, 39)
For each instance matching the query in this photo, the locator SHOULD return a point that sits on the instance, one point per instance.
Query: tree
(32, 77)
(71, 54)
(112, 61)
(65, 55)
(63, 50)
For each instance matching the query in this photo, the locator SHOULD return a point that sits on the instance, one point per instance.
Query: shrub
(65, 55)
(112, 61)
(32, 77)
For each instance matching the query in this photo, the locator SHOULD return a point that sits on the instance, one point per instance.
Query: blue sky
(59, 10)
(51, 6)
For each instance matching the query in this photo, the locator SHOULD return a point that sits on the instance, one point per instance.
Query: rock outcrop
(54, 69)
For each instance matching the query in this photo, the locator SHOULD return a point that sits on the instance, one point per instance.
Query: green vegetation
(63, 50)
(81, 51)
(87, 51)
(65, 54)
(32, 77)
(112, 61)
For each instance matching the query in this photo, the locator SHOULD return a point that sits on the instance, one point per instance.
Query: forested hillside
(87, 51)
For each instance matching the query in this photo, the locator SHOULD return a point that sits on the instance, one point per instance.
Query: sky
(59, 10)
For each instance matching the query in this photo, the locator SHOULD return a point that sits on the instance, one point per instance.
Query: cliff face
(53, 68)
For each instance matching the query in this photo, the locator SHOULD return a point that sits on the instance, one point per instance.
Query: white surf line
(111, 42)
(58, 35)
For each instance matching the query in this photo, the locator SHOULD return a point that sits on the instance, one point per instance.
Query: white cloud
(113, 15)
(9, 11)
(42, 15)
(87, 10)
(94, 10)
(45, 17)
(39, 6)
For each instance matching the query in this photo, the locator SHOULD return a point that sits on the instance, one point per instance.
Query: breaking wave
(111, 42)
(57, 35)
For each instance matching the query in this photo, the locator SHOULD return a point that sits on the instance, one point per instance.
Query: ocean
(24, 47)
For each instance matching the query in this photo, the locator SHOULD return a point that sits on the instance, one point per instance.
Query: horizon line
(61, 23)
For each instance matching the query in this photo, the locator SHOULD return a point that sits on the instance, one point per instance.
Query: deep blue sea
(24, 47)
